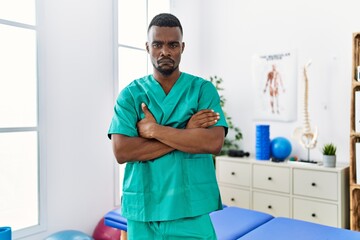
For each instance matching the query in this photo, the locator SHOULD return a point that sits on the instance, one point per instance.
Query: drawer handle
(233, 173)
(269, 178)
(269, 207)
(313, 215)
(313, 184)
(232, 199)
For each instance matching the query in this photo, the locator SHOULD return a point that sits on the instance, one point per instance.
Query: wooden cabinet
(296, 190)
(354, 138)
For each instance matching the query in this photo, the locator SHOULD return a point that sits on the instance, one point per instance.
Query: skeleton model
(306, 136)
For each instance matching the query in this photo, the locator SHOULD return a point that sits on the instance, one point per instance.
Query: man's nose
(165, 51)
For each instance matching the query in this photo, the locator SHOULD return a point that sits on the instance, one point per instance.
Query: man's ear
(183, 47)
(147, 46)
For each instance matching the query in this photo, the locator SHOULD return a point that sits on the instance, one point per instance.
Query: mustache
(165, 59)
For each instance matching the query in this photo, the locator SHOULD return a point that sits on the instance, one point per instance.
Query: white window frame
(41, 226)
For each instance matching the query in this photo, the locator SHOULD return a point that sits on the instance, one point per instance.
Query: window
(19, 130)
(133, 17)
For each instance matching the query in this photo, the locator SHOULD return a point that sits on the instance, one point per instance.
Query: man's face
(165, 47)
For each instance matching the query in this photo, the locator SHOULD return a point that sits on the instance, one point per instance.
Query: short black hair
(165, 20)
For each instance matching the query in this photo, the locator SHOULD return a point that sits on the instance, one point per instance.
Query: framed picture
(275, 84)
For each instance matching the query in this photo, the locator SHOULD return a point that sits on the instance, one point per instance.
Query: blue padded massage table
(233, 223)
(229, 223)
(291, 229)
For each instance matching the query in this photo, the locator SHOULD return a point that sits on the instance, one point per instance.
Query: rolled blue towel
(5, 233)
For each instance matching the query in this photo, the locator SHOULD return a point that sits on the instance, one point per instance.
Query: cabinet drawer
(316, 184)
(275, 205)
(235, 197)
(317, 212)
(233, 173)
(271, 178)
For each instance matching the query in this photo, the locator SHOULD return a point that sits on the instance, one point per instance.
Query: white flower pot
(329, 160)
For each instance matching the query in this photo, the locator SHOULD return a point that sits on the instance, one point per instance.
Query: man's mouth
(165, 61)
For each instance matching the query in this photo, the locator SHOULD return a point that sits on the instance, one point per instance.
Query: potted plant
(329, 155)
(229, 144)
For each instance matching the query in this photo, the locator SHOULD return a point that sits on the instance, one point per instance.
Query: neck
(166, 82)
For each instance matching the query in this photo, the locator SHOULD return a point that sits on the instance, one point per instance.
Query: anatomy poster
(275, 83)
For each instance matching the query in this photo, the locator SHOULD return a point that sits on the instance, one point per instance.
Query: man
(273, 81)
(165, 128)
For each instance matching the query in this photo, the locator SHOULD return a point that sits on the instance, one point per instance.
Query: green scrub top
(178, 184)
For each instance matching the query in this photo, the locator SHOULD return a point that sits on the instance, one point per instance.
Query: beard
(167, 71)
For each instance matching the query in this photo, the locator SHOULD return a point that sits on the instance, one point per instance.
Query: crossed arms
(156, 140)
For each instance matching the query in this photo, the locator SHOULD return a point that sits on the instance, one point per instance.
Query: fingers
(203, 119)
(209, 122)
(204, 116)
(144, 108)
(148, 114)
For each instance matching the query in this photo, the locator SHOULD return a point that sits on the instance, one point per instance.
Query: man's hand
(196, 138)
(147, 125)
(203, 119)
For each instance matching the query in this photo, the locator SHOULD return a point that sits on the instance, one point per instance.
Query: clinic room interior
(74, 52)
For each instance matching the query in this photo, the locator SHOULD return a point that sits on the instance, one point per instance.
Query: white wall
(227, 33)
(76, 88)
(76, 97)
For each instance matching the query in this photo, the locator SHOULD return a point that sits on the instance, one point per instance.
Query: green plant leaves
(228, 143)
(329, 149)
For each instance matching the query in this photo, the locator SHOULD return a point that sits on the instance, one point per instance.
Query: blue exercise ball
(69, 235)
(280, 148)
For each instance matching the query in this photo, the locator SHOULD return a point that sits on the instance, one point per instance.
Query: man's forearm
(197, 137)
(130, 149)
(197, 140)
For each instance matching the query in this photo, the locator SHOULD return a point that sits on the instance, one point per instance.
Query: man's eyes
(159, 45)
(174, 45)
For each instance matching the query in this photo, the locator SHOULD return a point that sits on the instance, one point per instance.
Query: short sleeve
(125, 116)
(209, 99)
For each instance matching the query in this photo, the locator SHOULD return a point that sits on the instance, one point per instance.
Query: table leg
(123, 235)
